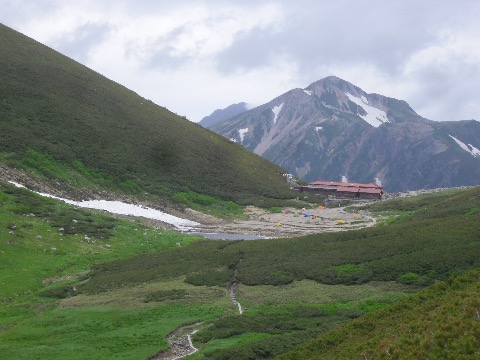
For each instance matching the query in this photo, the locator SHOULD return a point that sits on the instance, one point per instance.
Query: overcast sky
(197, 56)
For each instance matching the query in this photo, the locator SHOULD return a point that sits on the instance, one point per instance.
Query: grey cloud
(381, 34)
(451, 90)
(253, 50)
(340, 33)
(163, 54)
(315, 36)
(85, 37)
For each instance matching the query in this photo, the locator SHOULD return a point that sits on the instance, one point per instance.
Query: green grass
(356, 272)
(232, 341)
(210, 205)
(441, 322)
(143, 285)
(99, 332)
(312, 292)
(39, 315)
(62, 121)
(434, 243)
(290, 314)
(52, 236)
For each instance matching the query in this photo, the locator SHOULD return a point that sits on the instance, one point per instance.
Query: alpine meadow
(400, 281)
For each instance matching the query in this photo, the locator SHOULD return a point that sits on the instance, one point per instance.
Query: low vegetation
(431, 243)
(209, 204)
(68, 271)
(428, 244)
(47, 247)
(78, 284)
(442, 322)
(64, 122)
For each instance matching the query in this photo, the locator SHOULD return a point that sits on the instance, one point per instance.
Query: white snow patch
(242, 134)
(318, 128)
(121, 208)
(344, 178)
(17, 184)
(276, 110)
(468, 148)
(374, 117)
(308, 92)
(232, 139)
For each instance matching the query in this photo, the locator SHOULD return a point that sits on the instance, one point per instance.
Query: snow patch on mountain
(242, 134)
(374, 117)
(472, 150)
(118, 207)
(308, 92)
(318, 128)
(276, 111)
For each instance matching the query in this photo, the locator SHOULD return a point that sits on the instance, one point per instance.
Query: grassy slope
(442, 322)
(127, 306)
(430, 243)
(46, 247)
(54, 110)
(435, 239)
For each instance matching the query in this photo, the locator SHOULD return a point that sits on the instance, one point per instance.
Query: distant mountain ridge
(223, 114)
(333, 128)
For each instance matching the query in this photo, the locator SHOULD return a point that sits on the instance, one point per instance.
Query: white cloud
(196, 56)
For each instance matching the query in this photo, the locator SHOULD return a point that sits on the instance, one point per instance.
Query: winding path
(180, 344)
(233, 296)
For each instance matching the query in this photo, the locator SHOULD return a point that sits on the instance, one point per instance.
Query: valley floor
(289, 222)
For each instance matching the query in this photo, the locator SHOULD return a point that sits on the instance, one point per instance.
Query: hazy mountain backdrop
(223, 114)
(333, 129)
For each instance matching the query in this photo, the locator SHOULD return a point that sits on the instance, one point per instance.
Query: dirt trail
(181, 345)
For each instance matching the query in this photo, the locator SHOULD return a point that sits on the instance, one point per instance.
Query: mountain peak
(223, 114)
(336, 85)
(333, 128)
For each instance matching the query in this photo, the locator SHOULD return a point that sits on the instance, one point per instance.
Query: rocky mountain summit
(333, 129)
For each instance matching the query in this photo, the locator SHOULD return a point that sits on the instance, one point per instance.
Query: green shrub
(163, 295)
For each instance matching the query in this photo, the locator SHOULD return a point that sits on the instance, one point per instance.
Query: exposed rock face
(333, 128)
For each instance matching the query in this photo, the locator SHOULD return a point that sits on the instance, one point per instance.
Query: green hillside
(79, 284)
(293, 290)
(431, 238)
(442, 322)
(63, 121)
(84, 285)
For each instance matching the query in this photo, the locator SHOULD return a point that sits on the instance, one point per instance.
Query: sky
(193, 57)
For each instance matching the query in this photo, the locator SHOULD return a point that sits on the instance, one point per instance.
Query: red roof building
(344, 189)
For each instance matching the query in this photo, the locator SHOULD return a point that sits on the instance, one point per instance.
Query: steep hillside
(441, 322)
(332, 129)
(59, 118)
